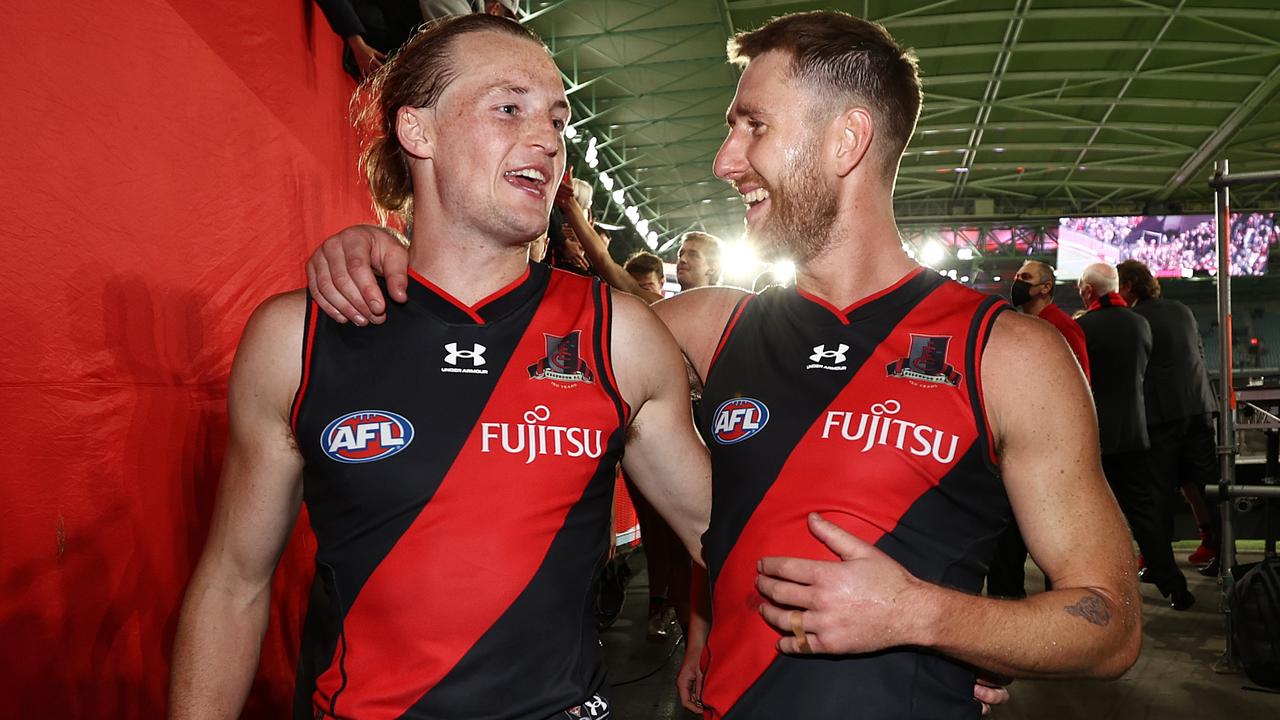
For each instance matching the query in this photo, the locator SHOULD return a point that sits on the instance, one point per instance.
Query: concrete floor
(1172, 680)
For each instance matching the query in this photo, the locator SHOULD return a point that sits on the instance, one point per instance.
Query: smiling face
(496, 137)
(772, 156)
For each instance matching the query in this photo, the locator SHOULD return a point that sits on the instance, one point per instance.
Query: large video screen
(1171, 245)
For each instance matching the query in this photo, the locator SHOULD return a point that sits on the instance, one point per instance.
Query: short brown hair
(415, 76)
(711, 250)
(844, 55)
(1142, 283)
(645, 263)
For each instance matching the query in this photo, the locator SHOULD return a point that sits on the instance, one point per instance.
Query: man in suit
(1118, 341)
(1180, 402)
(1032, 294)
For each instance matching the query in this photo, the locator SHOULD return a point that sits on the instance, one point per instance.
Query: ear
(415, 132)
(856, 131)
(713, 269)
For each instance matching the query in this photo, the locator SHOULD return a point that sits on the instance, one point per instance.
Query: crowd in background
(1168, 252)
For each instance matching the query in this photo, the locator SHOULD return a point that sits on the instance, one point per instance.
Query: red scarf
(1108, 300)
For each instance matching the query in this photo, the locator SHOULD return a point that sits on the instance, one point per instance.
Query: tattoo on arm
(1091, 608)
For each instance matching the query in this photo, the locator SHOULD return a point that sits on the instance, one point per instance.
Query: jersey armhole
(308, 342)
(603, 298)
(979, 333)
(724, 335)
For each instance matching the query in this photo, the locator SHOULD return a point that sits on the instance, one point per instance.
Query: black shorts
(596, 708)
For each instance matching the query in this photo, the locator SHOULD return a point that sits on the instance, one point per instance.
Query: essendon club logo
(926, 361)
(562, 362)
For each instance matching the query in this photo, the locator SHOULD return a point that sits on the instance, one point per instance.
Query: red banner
(167, 165)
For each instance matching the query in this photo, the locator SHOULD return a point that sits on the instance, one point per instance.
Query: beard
(798, 226)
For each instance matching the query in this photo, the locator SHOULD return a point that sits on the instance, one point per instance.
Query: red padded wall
(164, 166)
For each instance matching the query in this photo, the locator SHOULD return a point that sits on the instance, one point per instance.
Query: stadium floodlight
(642, 227)
(964, 253)
(606, 180)
(571, 132)
(995, 278)
(619, 197)
(652, 239)
(632, 213)
(784, 271)
(738, 260)
(964, 278)
(932, 254)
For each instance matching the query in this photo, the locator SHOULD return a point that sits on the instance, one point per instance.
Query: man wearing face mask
(1032, 294)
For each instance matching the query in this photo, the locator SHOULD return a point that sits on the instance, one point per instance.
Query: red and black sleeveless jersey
(873, 417)
(459, 470)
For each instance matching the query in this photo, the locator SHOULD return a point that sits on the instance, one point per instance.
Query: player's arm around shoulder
(664, 455)
(697, 319)
(224, 613)
(1046, 433)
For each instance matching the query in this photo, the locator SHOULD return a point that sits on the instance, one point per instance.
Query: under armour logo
(836, 356)
(475, 354)
(597, 707)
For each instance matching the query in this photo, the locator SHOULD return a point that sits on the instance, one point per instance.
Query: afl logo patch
(738, 419)
(366, 435)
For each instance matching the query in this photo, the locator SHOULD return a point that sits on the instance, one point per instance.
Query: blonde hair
(583, 193)
(415, 76)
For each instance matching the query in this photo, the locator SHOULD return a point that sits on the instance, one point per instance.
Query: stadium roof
(1032, 107)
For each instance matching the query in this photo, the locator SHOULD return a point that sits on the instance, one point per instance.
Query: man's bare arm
(696, 319)
(224, 614)
(689, 677)
(598, 254)
(665, 458)
(341, 274)
(1087, 626)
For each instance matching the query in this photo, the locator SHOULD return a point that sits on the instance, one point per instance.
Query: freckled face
(499, 151)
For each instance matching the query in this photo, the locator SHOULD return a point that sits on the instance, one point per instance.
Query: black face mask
(1020, 293)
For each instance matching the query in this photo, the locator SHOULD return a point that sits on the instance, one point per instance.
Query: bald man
(1118, 342)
